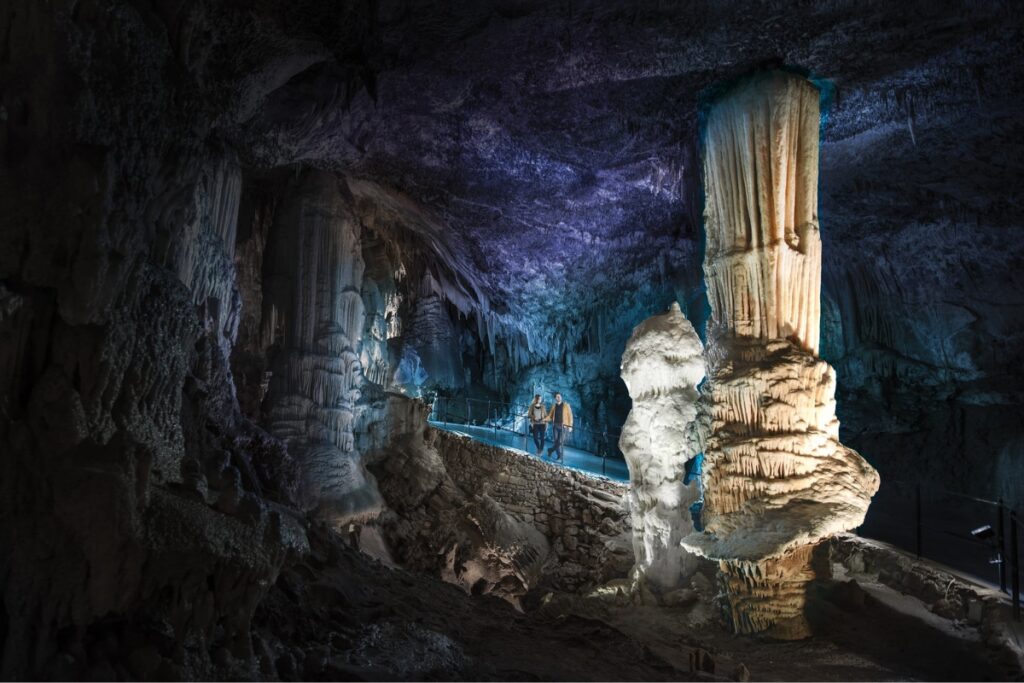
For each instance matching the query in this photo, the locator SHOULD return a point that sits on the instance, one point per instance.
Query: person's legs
(558, 435)
(561, 443)
(538, 436)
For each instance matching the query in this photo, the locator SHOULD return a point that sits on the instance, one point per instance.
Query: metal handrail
(492, 420)
(524, 407)
(606, 437)
(966, 496)
(1005, 555)
(1015, 555)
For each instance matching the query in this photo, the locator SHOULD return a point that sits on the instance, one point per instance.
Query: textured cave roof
(555, 143)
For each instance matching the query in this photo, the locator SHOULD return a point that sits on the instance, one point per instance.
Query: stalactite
(777, 481)
(204, 258)
(225, 189)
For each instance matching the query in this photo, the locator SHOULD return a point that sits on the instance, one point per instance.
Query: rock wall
(924, 277)
(928, 359)
(495, 521)
(583, 517)
(139, 528)
(947, 595)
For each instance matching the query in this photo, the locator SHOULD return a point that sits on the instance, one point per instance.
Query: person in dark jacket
(538, 426)
(560, 418)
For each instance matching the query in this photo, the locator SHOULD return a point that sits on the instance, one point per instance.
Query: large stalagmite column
(776, 479)
(662, 366)
(314, 316)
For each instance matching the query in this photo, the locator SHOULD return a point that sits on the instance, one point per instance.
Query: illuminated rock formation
(314, 314)
(777, 480)
(662, 366)
(763, 256)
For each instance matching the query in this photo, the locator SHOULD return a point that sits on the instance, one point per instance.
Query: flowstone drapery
(662, 366)
(314, 315)
(777, 480)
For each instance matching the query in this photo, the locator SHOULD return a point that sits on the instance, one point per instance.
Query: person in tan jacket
(560, 418)
(538, 422)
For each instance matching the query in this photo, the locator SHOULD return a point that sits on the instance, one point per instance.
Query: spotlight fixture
(983, 533)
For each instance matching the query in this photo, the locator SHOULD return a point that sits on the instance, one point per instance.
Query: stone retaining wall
(582, 516)
(944, 593)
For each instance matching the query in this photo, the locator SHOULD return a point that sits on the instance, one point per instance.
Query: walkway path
(575, 459)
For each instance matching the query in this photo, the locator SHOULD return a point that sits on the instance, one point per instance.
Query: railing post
(1001, 544)
(604, 453)
(1014, 565)
(917, 519)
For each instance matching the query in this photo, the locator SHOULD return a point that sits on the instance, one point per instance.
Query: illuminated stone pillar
(314, 317)
(662, 366)
(777, 481)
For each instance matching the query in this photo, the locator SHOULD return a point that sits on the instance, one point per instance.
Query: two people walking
(560, 417)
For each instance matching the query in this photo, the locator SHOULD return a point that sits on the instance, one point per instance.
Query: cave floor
(340, 615)
(882, 636)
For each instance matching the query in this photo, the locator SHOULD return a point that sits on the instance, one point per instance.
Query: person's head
(558, 397)
(536, 398)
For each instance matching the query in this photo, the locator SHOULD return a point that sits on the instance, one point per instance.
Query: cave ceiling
(551, 146)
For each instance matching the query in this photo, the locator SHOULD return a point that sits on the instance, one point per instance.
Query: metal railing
(513, 418)
(978, 536)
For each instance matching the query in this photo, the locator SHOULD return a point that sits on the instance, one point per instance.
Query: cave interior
(261, 262)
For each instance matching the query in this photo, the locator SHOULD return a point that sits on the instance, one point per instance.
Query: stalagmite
(316, 319)
(662, 366)
(777, 480)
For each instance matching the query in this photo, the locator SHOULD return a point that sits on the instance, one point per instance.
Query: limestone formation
(313, 312)
(662, 366)
(434, 525)
(517, 167)
(762, 260)
(777, 480)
